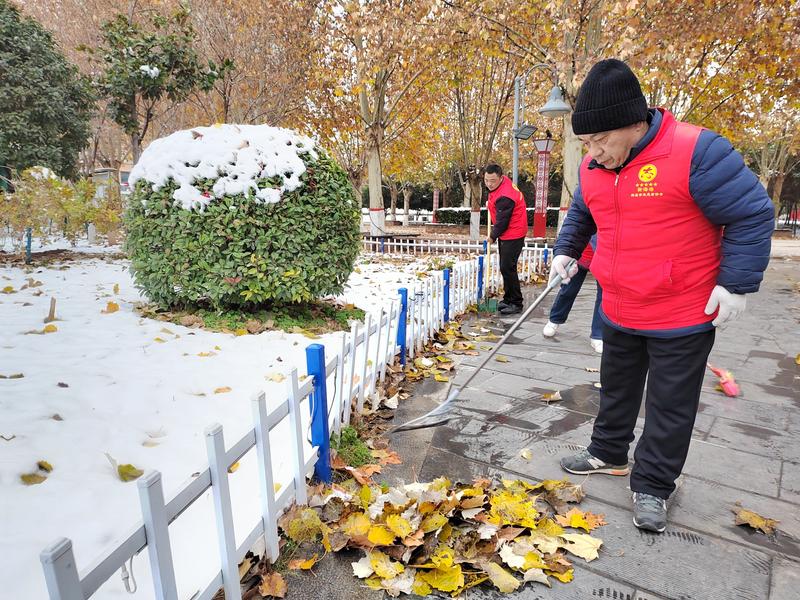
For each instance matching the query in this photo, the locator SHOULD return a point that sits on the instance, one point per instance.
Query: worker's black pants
(674, 369)
(509, 251)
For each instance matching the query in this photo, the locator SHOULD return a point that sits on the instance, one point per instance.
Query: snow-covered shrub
(239, 215)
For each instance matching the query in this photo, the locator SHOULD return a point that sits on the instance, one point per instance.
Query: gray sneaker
(584, 463)
(649, 512)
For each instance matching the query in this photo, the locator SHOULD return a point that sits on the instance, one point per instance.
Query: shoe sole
(615, 472)
(649, 527)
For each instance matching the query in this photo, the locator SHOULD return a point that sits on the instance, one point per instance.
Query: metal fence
(334, 387)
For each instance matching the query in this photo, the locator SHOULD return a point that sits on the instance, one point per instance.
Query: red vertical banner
(540, 207)
(435, 205)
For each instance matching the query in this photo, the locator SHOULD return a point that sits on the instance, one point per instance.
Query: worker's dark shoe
(511, 309)
(584, 463)
(502, 304)
(649, 512)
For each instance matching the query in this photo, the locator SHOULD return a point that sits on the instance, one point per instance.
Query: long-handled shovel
(441, 414)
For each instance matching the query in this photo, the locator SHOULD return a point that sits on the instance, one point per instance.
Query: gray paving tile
(756, 439)
(785, 580)
(790, 482)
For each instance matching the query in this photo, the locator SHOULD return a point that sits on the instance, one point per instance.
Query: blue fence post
(320, 436)
(401, 325)
(485, 246)
(383, 245)
(446, 295)
(28, 234)
(480, 278)
(544, 255)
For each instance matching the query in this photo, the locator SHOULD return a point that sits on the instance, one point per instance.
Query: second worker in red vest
(509, 215)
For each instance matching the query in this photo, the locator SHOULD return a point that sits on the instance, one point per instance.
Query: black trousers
(674, 371)
(509, 251)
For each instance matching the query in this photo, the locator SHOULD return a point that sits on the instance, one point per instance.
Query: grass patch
(351, 448)
(310, 319)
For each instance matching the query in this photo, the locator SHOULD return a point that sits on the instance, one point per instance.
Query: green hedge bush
(238, 252)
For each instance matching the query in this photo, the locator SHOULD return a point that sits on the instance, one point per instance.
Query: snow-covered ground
(139, 390)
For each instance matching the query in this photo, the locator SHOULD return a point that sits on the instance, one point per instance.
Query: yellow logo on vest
(647, 173)
(647, 189)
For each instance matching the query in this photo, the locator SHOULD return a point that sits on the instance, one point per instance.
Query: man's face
(612, 148)
(492, 180)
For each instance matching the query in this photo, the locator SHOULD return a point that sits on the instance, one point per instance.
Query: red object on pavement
(726, 381)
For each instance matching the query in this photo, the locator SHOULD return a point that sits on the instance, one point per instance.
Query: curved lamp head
(555, 106)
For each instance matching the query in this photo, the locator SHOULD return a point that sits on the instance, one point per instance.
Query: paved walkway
(745, 449)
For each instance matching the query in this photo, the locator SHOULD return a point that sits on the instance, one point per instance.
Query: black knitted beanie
(610, 98)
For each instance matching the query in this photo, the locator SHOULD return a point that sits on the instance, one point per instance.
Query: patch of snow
(236, 156)
(145, 402)
(151, 72)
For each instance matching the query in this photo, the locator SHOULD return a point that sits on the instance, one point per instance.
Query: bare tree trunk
(475, 192)
(777, 189)
(393, 192)
(136, 147)
(377, 217)
(408, 191)
(573, 153)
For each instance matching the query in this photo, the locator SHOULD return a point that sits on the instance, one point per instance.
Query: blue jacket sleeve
(577, 230)
(729, 194)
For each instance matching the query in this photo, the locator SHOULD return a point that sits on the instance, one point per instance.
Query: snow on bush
(239, 215)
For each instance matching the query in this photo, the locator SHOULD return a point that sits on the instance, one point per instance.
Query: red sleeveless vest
(518, 225)
(657, 255)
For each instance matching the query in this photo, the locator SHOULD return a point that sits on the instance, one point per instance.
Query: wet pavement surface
(744, 449)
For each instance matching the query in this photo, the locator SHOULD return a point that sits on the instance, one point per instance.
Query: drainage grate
(553, 448)
(610, 593)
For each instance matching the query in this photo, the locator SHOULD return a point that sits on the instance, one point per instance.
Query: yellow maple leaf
(44, 466)
(383, 566)
(380, 535)
(128, 472)
(445, 580)
(755, 520)
(32, 478)
(399, 526)
(240, 331)
(574, 518)
(433, 522)
(441, 378)
(548, 527)
(356, 525)
(222, 390)
(159, 340)
(502, 579)
(49, 328)
(420, 587)
(443, 557)
(565, 577)
(111, 307)
(273, 585)
(276, 377)
(234, 467)
(305, 565)
(501, 359)
(582, 544)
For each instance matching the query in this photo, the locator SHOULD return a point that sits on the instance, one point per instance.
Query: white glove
(559, 267)
(730, 305)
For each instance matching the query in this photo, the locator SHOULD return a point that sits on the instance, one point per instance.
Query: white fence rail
(417, 245)
(334, 385)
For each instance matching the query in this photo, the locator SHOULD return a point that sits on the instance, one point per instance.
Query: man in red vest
(509, 225)
(683, 234)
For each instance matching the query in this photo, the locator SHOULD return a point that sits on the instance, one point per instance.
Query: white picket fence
(416, 245)
(334, 384)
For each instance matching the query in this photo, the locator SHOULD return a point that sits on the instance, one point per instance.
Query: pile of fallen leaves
(424, 538)
(434, 360)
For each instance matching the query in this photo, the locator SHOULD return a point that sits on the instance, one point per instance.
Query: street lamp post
(555, 107)
(544, 146)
